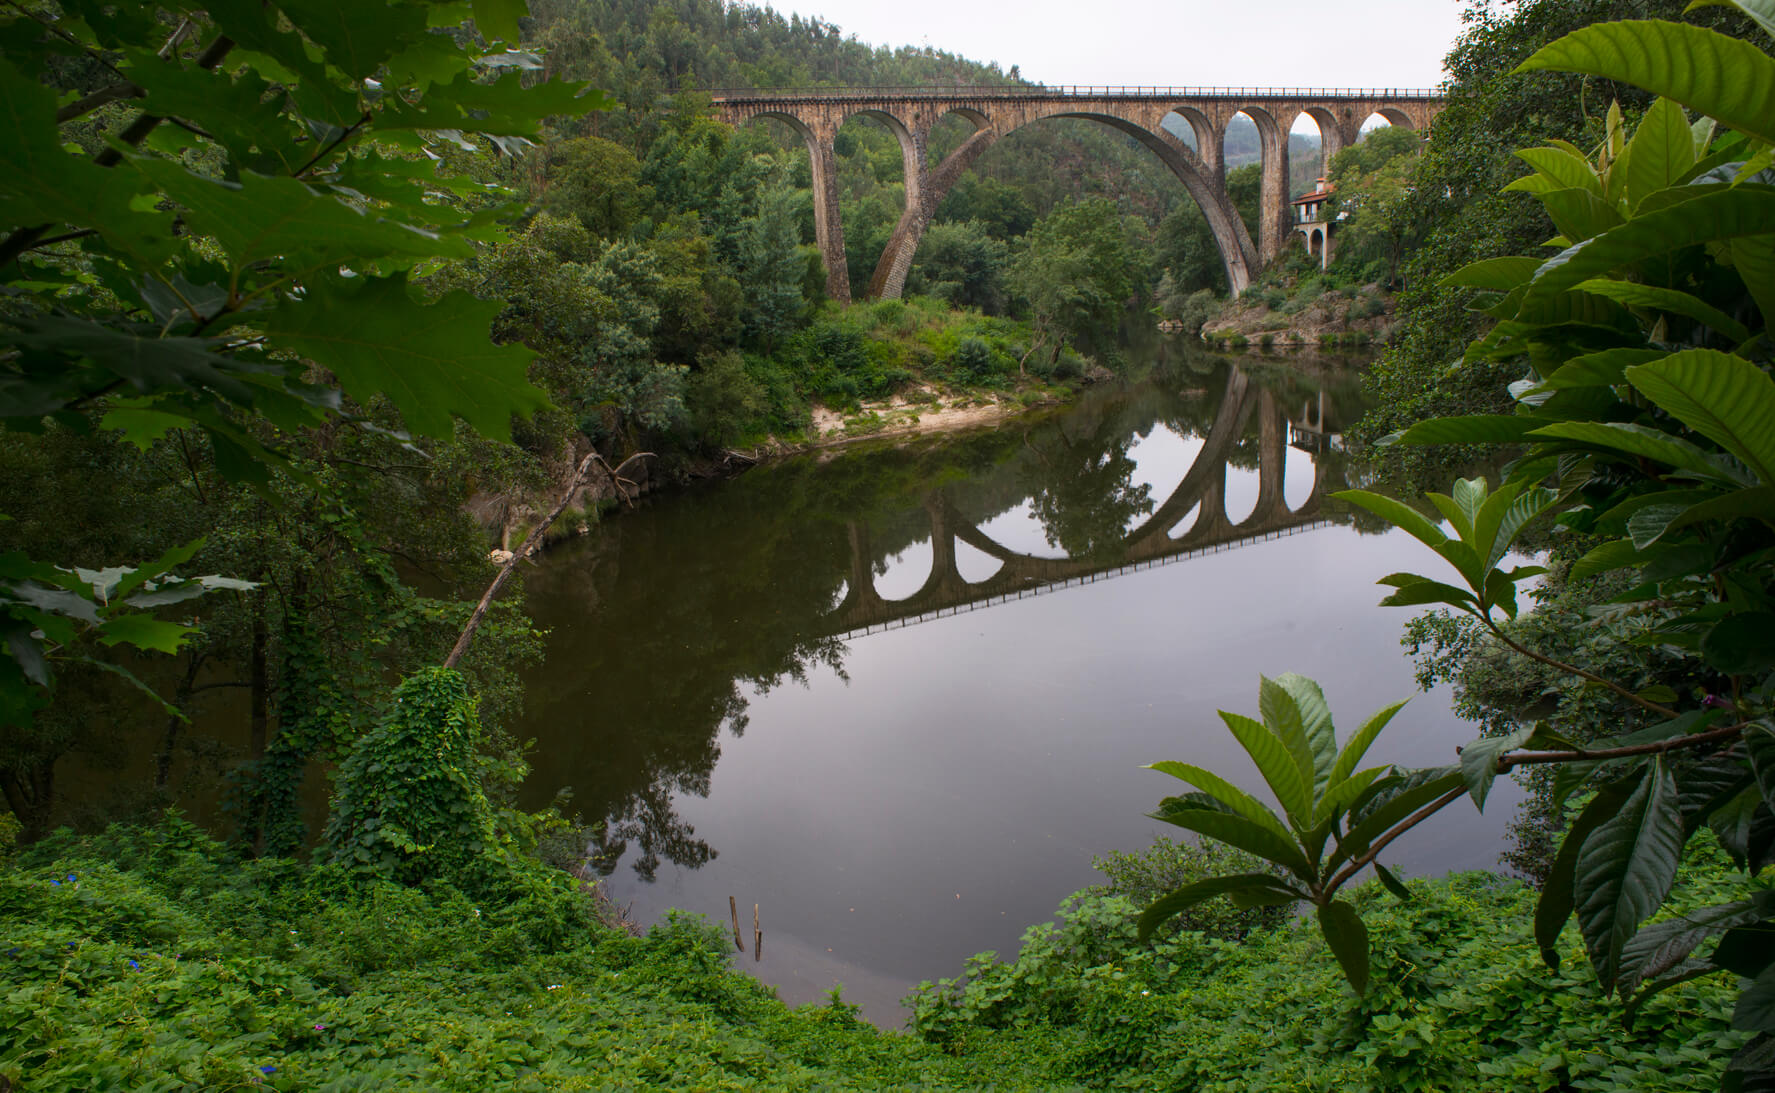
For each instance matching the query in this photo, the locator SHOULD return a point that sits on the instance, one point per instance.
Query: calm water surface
(900, 697)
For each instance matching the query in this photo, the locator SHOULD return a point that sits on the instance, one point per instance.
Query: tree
(963, 264)
(1375, 193)
(1463, 214)
(1647, 415)
(243, 274)
(1075, 269)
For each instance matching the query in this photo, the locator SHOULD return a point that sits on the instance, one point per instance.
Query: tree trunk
(30, 794)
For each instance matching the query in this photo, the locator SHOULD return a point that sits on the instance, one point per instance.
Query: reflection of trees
(663, 622)
(1090, 499)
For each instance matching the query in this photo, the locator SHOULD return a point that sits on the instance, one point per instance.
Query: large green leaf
(1479, 761)
(1340, 795)
(1579, 214)
(1726, 398)
(1471, 429)
(498, 19)
(1600, 369)
(358, 38)
(1755, 503)
(1397, 513)
(240, 111)
(1626, 867)
(135, 355)
(262, 218)
(1237, 831)
(1719, 215)
(1562, 168)
(1424, 591)
(1635, 440)
(144, 632)
(1515, 516)
(1497, 274)
(1556, 902)
(1184, 898)
(1357, 745)
(1658, 948)
(1276, 763)
(1725, 78)
(1742, 644)
(41, 183)
(1234, 798)
(1312, 715)
(1762, 11)
(1753, 257)
(1755, 1010)
(1661, 151)
(1348, 937)
(430, 361)
(1634, 294)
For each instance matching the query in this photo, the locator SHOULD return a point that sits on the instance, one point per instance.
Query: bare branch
(1696, 740)
(108, 93)
(534, 539)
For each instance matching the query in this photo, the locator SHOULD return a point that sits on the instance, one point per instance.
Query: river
(899, 696)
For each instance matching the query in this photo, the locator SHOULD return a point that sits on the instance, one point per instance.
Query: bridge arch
(822, 162)
(1331, 133)
(1238, 255)
(1208, 136)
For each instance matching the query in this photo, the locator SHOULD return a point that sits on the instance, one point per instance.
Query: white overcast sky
(1169, 43)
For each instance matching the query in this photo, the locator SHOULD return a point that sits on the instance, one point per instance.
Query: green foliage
(1460, 1002)
(1646, 417)
(1327, 802)
(1167, 865)
(1464, 215)
(1375, 192)
(168, 308)
(155, 960)
(961, 262)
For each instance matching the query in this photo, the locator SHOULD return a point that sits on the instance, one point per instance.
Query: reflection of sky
(956, 788)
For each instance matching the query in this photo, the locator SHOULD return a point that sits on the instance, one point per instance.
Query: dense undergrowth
(152, 959)
(918, 347)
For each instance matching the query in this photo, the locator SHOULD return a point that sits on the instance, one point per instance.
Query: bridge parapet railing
(1079, 91)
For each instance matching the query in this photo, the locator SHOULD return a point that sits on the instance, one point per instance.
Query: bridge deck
(1025, 92)
(1108, 573)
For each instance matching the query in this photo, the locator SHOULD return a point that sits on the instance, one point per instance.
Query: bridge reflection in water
(1154, 542)
(668, 622)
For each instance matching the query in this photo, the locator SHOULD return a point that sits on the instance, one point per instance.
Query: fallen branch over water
(534, 539)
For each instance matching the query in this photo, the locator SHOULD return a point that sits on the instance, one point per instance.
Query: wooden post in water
(757, 937)
(733, 908)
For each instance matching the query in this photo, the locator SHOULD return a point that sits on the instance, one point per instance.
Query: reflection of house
(1311, 221)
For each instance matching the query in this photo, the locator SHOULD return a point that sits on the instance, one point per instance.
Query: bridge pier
(828, 224)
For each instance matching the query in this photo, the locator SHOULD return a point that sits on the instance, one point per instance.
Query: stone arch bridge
(1155, 541)
(910, 113)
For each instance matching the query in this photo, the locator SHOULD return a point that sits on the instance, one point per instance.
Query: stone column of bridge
(1272, 457)
(828, 225)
